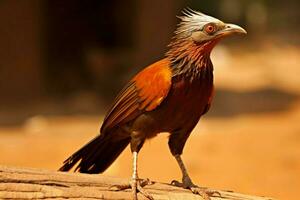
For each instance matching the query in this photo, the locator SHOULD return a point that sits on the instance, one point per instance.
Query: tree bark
(21, 183)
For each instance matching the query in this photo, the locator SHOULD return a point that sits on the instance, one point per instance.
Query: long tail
(97, 155)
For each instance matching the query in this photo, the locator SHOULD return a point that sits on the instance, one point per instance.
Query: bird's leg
(135, 184)
(186, 180)
(188, 184)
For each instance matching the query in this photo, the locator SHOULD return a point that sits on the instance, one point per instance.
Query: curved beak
(232, 29)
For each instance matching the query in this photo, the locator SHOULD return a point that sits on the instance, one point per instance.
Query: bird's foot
(204, 192)
(136, 185)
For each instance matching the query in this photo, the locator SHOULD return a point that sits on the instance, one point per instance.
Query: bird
(169, 95)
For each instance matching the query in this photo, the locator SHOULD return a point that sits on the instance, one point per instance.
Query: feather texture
(144, 93)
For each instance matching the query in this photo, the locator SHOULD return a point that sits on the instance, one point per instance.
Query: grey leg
(134, 177)
(135, 184)
(186, 180)
(188, 184)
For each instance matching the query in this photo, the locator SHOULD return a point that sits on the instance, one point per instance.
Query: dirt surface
(248, 143)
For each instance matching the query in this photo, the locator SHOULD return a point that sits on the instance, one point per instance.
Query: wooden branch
(20, 183)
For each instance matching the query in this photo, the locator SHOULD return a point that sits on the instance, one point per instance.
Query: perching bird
(168, 96)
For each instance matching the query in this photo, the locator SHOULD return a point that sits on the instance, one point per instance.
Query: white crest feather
(192, 20)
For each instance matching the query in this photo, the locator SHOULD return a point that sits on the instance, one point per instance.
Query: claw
(176, 183)
(213, 193)
(144, 192)
(137, 186)
(187, 183)
(144, 182)
(204, 192)
(119, 187)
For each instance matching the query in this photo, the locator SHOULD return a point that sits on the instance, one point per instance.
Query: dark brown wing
(144, 93)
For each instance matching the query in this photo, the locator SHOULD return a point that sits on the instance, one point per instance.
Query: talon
(215, 192)
(176, 183)
(202, 193)
(144, 182)
(119, 187)
(136, 185)
(144, 192)
(211, 192)
(205, 193)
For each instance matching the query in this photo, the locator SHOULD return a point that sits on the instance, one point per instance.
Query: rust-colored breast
(187, 100)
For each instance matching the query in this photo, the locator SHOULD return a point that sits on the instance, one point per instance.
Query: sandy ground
(251, 152)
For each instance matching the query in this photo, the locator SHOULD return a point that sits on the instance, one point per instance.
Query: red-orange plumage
(143, 93)
(170, 95)
(153, 84)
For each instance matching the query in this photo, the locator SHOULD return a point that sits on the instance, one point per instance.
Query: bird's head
(197, 34)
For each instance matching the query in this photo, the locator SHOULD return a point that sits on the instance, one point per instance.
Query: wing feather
(144, 93)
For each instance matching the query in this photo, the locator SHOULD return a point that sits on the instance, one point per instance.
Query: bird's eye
(210, 28)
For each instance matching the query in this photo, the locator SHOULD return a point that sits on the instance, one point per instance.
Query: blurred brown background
(62, 63)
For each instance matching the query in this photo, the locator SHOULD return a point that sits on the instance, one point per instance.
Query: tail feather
(97, 155)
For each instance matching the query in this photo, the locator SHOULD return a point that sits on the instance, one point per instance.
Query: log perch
(23, 183)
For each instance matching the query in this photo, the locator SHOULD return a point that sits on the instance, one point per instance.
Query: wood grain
(24, 183)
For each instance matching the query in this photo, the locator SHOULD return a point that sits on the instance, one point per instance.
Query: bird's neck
(189, 58)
